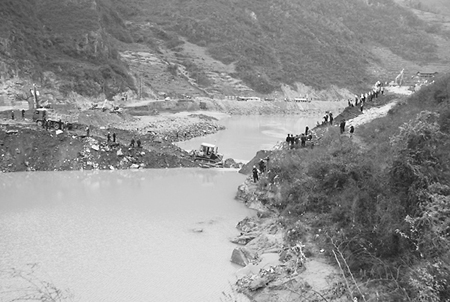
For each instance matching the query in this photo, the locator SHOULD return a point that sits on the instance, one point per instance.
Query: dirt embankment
(234, 107)
(24, 148)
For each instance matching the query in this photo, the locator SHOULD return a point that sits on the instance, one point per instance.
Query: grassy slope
(385, 203)
(315, 42)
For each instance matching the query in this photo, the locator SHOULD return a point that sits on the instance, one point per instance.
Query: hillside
(375, 202)
(153, 49)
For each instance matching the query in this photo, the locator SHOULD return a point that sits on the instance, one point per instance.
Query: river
(133, 235)
(244, 135)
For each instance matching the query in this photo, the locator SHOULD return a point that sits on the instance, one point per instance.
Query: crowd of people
(294, 140)
(377, 90)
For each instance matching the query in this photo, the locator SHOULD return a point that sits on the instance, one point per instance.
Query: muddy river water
(146, 235)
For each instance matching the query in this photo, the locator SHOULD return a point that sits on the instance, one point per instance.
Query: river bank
(286, 259)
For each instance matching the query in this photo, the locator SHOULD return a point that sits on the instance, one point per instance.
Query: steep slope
(148, 49)
(317, 43)
(63, 45)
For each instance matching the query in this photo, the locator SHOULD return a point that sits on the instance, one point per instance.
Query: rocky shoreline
(279, 264)
(283, 260)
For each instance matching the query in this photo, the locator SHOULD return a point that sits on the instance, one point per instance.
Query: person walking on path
(108, 137)
(307, 129)
(331, 120)
(12, 115)
(362, 107)
(342, 126)
(114, 137)
(132, 143)
(138, 143)
(23, 114)
(87, 131)
(255, 174)
(352, 130)
(262, 166)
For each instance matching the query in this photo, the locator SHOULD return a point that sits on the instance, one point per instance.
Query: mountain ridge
(261, 46)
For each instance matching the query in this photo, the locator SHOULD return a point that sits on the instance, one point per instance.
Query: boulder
(229, 163)
(241, 256)
(134, 166)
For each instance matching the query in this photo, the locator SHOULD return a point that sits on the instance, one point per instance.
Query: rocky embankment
(281, 259)
(23, 148)
(280, 263)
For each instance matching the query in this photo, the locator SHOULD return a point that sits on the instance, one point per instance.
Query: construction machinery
(207, 153)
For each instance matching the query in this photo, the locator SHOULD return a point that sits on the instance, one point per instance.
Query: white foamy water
(124, 235)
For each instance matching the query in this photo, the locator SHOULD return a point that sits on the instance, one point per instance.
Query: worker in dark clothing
(352, 130)
(255, 174)
(132, 143)
(12, 115)
(362, 107)
(138, 143)
(303, 139)
(114, 137)
(45, 124)
(331, 120)
(288, 139)
(306, 130)
(87, 131)
(60, 124)
(23, 114)
(262, 166)
(108, 137)
(342, 126)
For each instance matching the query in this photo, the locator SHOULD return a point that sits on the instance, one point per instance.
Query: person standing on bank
(352, 130)
(255, 174)
(114, 137)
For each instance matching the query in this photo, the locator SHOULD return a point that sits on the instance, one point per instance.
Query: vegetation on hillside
(383, 206)
(71, 39)
(316, 42)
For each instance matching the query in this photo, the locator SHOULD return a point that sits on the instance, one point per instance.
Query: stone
(241, 256)
(134, 166)
(95, 147)
(119, 152)
(258, 283)
(229, 163)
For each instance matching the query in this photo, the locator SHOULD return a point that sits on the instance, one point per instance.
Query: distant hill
(106, 47)
(317, 42)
